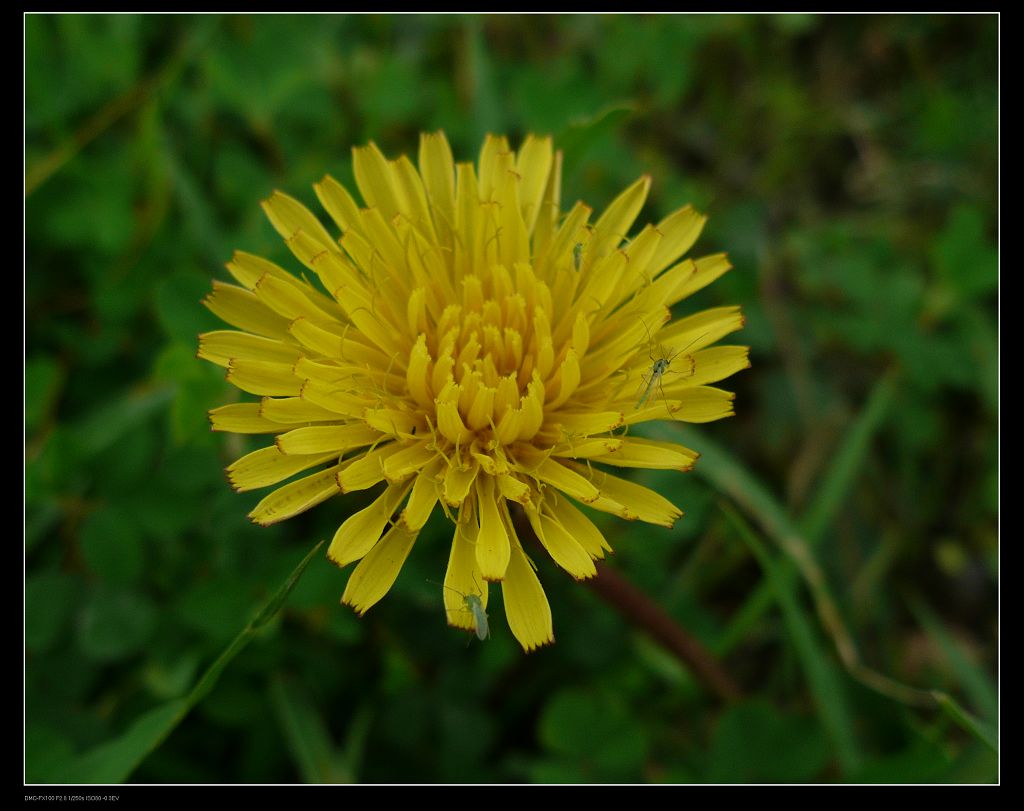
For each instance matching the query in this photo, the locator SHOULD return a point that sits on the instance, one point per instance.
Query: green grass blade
(846, 465)
(973, 679)
(822, 674)
(745, 618)
(716, 466)
(355, 740)
(983, 732)
(115, 760)
(305, 734)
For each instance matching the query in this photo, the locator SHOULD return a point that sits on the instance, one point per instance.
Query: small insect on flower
(474, 605)
(577, 256)
(659, 368)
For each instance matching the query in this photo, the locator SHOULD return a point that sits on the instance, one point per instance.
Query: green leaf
(594, 729)
(116, 623)
(754, 742)
(115, 760)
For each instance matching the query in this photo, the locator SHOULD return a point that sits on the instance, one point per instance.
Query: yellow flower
(468, 344)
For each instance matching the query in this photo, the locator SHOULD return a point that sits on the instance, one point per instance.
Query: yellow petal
(293, 411)
(316, 338)
(289, 216)
(374, 178)
(711, 365)
(426, 490)
(526, 607)
(378, 570)
(708, 269)
(645, 503)
(513, 236)
(450, 423)
(557, 474)
(492, 543)
(222, 345)
(563, 384)
(388, 263)
(337, 202)
(264, 378)
(649, 453)
(417, 374)
(438, 170)
(326, 438)
(414, 196)
(331, 397)
(513, 488)
(408, 460)
(549, 212)
(288, 300)
(565, 238)
(589, 448)
(296, 497)
(368, 469)
(696, 404)
(457, 481)
(578, 526)
(533, 164)
(490, 174)
(360, 531)
(395, 423)
(585, 423)
(565, 550)
(269, 466)
(247, 268)
(463, 576)
(702, 329)
(242, 309)
(679, 231)
(242, 418)
(613, 225)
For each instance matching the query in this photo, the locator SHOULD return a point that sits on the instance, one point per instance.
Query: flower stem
(612, 587)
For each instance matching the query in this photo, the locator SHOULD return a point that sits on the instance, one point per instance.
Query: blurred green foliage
(849, 166)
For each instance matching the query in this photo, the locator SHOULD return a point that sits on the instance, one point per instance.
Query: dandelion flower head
(466, 344)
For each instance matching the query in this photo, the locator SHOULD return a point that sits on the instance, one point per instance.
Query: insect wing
(476, 608)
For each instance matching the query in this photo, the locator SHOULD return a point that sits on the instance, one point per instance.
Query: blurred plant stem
(134, 97)
(613, 587)
(642, 611)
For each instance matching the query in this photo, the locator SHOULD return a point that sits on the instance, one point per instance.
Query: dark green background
(849, 167)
